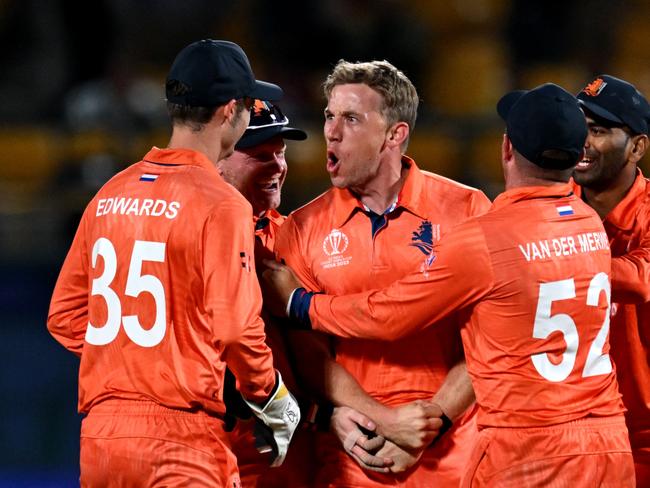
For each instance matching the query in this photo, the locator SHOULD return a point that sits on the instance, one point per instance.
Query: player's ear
(224, 113)
(397, 134)
(639, 147)
(507, 152)
(230, 110)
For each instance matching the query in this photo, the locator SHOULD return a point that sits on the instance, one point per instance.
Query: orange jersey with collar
(266, 232)
(531, 278)
(159, 289)
(254, 470)
(628, 229)
(331, 245)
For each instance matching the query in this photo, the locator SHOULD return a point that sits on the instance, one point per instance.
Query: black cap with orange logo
(267, 121)
(617, 102)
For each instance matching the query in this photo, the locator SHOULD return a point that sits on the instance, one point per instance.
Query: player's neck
(519, 172)
(380, 193)
(205, 141)
(603, 200)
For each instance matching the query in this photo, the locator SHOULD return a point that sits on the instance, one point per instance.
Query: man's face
(355, 132)
(258, 173)
(606, 153)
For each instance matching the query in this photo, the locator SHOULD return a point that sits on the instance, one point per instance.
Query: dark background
(81, 97)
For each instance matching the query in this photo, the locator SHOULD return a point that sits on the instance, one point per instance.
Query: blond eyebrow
(343, 114)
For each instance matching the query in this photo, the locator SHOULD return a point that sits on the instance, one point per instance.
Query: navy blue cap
(209, 73)
(546, 118)
(267, 121)
(616, 101)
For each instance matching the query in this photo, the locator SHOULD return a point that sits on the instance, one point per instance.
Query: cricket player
(158, 293)
(257, 169)
(611, 183)
(379, 220)
(531, 279)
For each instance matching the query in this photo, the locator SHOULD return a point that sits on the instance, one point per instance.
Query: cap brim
(263, 90)
(507, 102)
(259, 136)
(600, 111)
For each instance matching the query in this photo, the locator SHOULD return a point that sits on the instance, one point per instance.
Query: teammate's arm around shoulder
(422, 298)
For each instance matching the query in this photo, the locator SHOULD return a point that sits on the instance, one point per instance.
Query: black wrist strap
(446, 425)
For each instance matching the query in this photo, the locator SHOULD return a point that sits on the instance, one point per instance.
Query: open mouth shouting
(332, 161)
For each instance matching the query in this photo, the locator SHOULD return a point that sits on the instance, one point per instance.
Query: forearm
(342, 389)
(63, 334)
(68, 317)
(329, 381)
(251, 361)
(456, 394)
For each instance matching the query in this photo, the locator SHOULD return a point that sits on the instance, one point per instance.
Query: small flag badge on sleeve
(563, 210)
(148, 177)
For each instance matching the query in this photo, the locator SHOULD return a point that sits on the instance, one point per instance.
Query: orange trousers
(441, 465)
(587, 453)
(138, 443)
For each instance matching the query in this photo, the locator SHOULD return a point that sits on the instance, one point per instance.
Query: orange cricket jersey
(628, 229)
(531, 278)
(266, 232)
(159, 289)
(254, 469)
(331, 245)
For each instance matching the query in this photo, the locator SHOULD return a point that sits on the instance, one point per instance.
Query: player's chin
(338, 181)
(583, 177)
(268, 202)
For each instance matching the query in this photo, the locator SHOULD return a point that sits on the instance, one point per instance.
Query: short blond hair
(400, 98)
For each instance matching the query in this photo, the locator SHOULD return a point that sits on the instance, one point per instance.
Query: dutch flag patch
(148, 177)
(563, 210)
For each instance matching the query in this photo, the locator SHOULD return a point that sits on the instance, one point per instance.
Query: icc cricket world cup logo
(335, 243)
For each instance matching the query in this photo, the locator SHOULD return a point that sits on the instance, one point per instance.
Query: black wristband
(446, 425)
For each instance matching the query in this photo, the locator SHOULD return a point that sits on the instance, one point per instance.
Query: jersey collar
(410, 196)
(179, 156)
(529, 192)
(262, 223)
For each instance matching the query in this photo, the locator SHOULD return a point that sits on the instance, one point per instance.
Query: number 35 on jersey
(136, 283)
